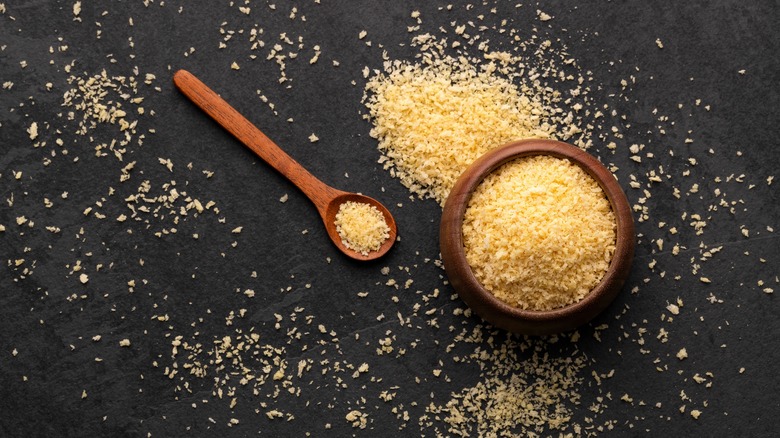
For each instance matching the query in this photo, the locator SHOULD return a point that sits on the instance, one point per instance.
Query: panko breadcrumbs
(539, 233)
(361, 226)
(433, 119)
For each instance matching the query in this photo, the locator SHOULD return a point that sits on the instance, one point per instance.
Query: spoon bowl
(325, 198)
(329, 219)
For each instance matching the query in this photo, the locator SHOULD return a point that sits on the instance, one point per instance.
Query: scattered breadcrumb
(33, 130)
(357, 419)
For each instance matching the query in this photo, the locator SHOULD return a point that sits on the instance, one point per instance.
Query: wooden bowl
(484, 303)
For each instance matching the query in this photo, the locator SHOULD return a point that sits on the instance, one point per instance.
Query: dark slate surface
(705, 46)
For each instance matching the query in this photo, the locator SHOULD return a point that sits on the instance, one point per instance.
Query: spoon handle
(230, 119)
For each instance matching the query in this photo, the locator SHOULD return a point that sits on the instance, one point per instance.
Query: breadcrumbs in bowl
(537, 237)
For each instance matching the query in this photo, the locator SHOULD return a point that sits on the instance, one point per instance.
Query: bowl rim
(483, 301)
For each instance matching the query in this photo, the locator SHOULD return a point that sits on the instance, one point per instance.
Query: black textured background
(705, 46)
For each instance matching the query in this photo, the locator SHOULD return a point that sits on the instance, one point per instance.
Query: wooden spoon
(326, 199)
